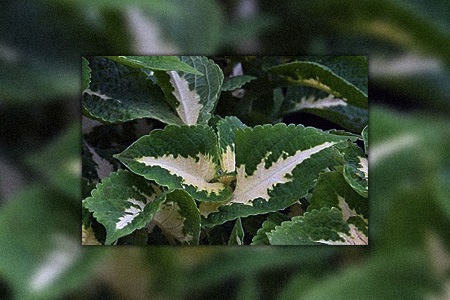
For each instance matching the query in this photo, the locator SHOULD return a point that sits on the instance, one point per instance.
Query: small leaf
(237, 234)
(179, 157)
(179, 218)
(273, 220)
(320, 77)
(235, 82)
(155, 63)
(226, 138)
(365, 135)
(124, 202)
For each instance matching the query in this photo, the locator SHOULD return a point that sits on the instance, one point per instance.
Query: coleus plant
(206, 179)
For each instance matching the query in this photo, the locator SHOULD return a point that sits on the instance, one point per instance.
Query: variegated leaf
(124, 202)
(193, 96)
(226, 139)
(179, 157)
(324, 226)
(356, 170)
(320, 77)
(179, 218)
(118, 93)
(275, 166)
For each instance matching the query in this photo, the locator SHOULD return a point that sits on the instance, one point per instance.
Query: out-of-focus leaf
(59, 162)
(405, 274)
(85, 74)
(42, 257)
(197, 29)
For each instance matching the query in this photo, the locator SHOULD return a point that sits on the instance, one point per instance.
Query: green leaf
(332, 190)
(232, 83)
(317, 102)
(85, 74)
(62, 157)
(42, 257)
(320, 77)
(365, 136)
(275, 166)
(124, 202)
(193, 96)
(226, 138)
(179, 157)
(155, 63)
(179, 218)
(316, 227)
(402, 274)
(237, 234)
(356, 170)
(273, 220)
(118, 93)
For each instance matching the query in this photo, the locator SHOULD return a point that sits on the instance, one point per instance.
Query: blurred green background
(41, 44)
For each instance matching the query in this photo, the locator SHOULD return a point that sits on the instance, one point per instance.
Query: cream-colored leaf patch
(189, 108)
(329, 101)
(227, 162)
(355, 237)
(130, 213)
(193, 172)
(258, 185)
(364, 166)
(171, 222)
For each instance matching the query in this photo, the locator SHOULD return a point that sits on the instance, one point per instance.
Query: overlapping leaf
(118, 93)
(179, 157)
(193, 96)
(320, 77)
(317, 226)
(356, 170)
(155, 63)
(232, 83)
(226, 140)
(179, 218)
(124, 202)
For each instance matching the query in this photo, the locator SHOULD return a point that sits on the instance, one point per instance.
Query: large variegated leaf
(324, 226)
(118, 93)
(235, 82)
(275, 166)
(124, 202)
(193, 96)
(179, 218)
(320, 77)
(179, 157)
(155, 63)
